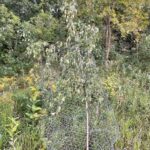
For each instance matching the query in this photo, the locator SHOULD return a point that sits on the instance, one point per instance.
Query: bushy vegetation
(74, 75)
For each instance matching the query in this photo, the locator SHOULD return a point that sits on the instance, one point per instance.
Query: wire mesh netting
(67, 131)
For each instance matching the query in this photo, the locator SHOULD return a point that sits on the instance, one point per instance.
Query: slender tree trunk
(137, 49)
(42, 66)
(87, 126)
(87, 118)
(108, 41)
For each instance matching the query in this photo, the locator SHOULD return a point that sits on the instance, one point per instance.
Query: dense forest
(75, 75)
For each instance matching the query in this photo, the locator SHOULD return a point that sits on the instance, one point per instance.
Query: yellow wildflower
(35, 93)
(54, 87)
(29, 80)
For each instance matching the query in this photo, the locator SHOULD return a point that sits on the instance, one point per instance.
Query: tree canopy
(74, 74)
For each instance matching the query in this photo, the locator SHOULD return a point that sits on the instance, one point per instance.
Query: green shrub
(6, 111)
(30, 138)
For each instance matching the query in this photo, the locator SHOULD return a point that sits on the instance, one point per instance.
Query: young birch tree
(76, 83)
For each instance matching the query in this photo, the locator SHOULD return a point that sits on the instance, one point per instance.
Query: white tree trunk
(108, 41)
(87, 126)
